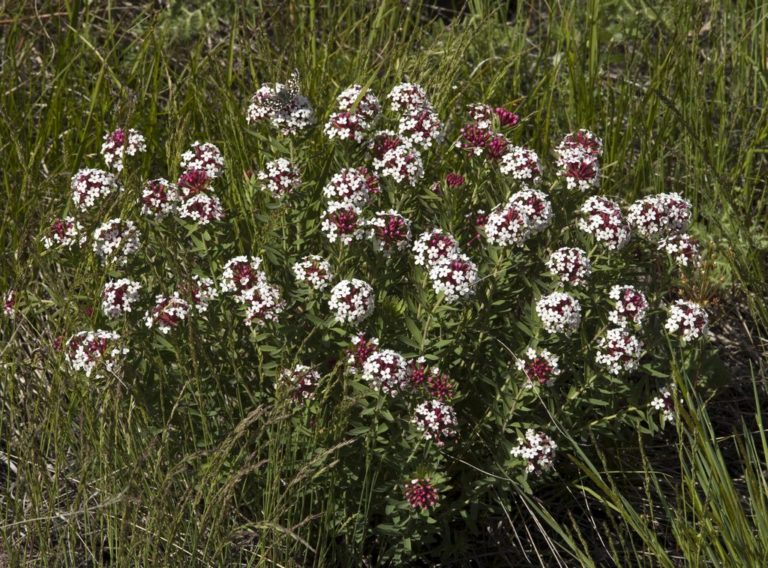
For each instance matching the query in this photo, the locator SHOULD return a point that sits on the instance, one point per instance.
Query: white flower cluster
(91, 185)
(263, 303)
(285, 108)
(90, 351)
(619, 351)
(314, 271)
(455, 277)
(578, 160)
(508, 225)
(243, 277)
(352, 186)
(540, 367)
(386, 371)
(280, 178)
(536, 206)
(538, 451)
(203, 156)
(665, 403)
(559, 312)
(159, 198)
(302, 382)
(65, 233)
(683, 249)
(687, 319)
(119, 296)
(407, 96)
(570, 265)
(352, 301)
(437, 420)
(119, 144)
(202, 209)
(434, 246)
(168, 312)
(389, 231)
(202, 292)
(421, 127)
(346, 126)
(342, 222)
(522, 164)
(366, 106)
(661, 215)
(630, 306)
(402, 164)
(362, 348)
(116, 240)
(602, 219)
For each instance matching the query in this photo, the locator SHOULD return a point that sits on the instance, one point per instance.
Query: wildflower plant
(461, 295)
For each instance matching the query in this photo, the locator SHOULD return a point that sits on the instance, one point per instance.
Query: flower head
(537, 450)
(168, 313)
(280, 178)
(570, 265)
(421, 494)
(352, 186)
(540, 367)
(314, 271)
(121, 143)
(386, 371)
(283, 106)
(65, 233)
(602, 219)
(389, 231)
(159, 198)
(522, 164)
(407, 96)
(559, 312)
(119, 296)
(434, 246)
(203, 156)
(454, 276)
(421, 127)
(352, 301)
(508, 225)
(687, 319)
(437, 420)
(630, 306)
(619, 351)
(90, 351)
(402, 164)
(202, 209)
(366, 106)
(302, 382)
(90, 186)
(341, 222)
(116, 240)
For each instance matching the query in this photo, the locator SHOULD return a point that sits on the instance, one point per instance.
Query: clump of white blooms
(508, 225)
(342, 222)
(537, 207)
(202, 291)
(314, 271)
(203, 156)
(116, 240)
(283, 106)
(665, 403)
(619, 351)
(407, 96)
(9, 303)
(434, 246)
(389, 231)
(437, 420)
(687, 319)
(522, 164)
(540, 367)
(368, 106)
(241, 273)
(630, 306)
(352, 301)
(455, 277)
(538, 451)
(280, 177)
(362, 348)
(346, 126)
(352, 186)
(578, 160)
(65, 233)
(570, 265)
(159, 198)
(119, 296)
(168, 312)
(202, 209)
(301, 381)
(402, 164)
(121, 143)
(244, 277)
(421, 127)
(263, 303)
(90, 186)
(386, 371)
(559, 312)
(658, 216)
(683, 250)
(602, 219)
(90, 351)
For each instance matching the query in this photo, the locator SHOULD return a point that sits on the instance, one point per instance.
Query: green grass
(96, 475)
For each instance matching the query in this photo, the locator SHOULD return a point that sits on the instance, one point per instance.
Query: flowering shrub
(460, 297)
